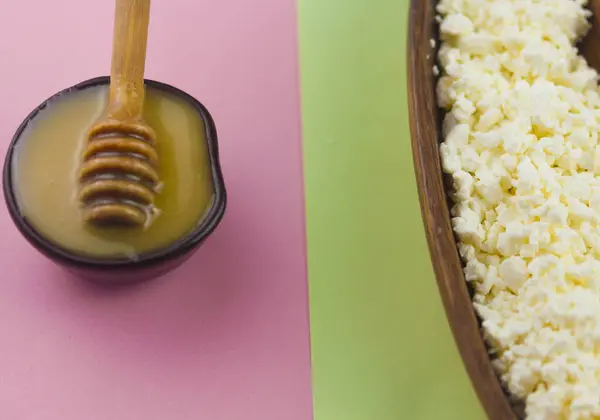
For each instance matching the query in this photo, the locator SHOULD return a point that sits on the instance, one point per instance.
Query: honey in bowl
(46, 158)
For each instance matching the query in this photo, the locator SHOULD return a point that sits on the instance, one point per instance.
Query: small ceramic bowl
(146, 266)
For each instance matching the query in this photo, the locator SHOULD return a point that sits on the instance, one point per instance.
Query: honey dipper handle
(130, 37)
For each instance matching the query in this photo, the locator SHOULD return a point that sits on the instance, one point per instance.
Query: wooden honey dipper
(118, 176)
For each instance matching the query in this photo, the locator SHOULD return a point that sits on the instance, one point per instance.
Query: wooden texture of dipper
(118, 175)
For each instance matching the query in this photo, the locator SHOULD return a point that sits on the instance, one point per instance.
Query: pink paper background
(226, 336)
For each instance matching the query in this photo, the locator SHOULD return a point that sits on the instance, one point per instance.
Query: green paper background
(381, 346)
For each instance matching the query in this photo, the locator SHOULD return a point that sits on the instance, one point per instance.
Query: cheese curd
(521, 144)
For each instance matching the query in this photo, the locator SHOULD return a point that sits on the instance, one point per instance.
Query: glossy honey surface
(47, 158)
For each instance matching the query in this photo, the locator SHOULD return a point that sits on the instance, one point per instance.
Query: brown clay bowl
(119, 271)
(425, 127)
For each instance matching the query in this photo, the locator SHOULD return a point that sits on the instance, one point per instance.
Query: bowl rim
(425, 132)
(211, 219)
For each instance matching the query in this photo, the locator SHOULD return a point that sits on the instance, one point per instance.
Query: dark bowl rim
(211, 219)
(425, 120)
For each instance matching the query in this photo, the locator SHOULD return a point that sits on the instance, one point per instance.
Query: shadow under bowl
(148, 265)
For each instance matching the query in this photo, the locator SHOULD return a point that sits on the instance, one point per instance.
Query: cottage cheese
(521, 144)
